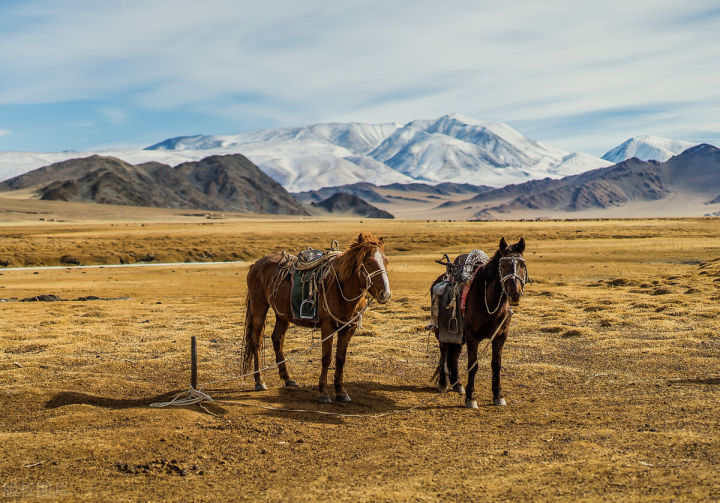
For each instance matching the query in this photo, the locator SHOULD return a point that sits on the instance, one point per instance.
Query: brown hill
(351, 204)
(218, 183)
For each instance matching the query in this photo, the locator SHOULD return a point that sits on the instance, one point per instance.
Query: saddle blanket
(304, 297)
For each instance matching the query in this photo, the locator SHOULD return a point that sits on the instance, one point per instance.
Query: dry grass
(611, 371)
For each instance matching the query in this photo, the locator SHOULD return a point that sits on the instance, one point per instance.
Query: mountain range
(451, 148)
(686, 184)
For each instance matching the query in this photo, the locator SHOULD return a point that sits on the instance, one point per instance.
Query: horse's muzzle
(384, 297)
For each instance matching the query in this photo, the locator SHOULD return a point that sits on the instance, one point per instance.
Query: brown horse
(495, 287)
(360, 269)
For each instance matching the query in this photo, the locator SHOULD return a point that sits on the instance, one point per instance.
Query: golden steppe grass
(611, 370)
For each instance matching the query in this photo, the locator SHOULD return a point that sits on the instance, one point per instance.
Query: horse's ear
(381, 241)
(520, 246)
(503, 244)
(361, 237)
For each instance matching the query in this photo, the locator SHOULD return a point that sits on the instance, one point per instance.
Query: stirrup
(309, 316)
(453, 329)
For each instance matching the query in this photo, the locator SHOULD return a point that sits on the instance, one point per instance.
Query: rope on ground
(193, 396)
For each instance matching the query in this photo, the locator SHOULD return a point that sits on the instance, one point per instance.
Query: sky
(582, 76)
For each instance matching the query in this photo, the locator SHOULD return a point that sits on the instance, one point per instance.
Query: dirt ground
(611, 371)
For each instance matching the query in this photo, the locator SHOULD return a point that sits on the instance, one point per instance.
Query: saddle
(306, 273)
(450, 294)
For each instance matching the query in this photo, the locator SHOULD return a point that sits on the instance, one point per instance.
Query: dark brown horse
(495, 287)
(360, 269)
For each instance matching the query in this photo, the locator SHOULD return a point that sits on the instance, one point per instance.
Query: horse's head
(513, 271)
(372, 264)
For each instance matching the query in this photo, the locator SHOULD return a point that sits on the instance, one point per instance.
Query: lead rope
(193, 396)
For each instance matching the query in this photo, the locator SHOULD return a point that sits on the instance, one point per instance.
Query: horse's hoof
(458, 388)
(291, 384)
(261, 386)
(471, 404)
(441, 388)
(499, 401)
(343, 397)
(324, 399)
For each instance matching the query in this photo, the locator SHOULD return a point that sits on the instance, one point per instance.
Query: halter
(368, 280)
(516, 259)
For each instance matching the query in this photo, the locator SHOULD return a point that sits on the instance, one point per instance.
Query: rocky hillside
(693, 174)
(218, 183)
(350, 204)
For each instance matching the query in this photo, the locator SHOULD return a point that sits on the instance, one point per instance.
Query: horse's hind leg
(441, 369)
(278, 339)
(453, 355)
(259, 313)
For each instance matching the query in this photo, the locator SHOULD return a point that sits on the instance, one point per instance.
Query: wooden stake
(193, 362)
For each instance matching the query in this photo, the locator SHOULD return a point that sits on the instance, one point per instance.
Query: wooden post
(193, 362)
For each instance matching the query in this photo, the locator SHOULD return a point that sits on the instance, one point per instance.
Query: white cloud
(288, 62)
(5, 132)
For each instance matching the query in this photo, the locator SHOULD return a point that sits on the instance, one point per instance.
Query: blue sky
(79, 75)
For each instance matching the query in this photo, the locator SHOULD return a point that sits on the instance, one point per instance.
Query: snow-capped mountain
(647, 148)
(457, 149)
(452, 148)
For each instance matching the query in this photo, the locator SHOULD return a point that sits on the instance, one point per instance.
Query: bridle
(368, 279)
(516, 259)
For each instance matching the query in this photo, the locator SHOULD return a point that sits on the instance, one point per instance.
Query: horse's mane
(347, 263)
(491, 268)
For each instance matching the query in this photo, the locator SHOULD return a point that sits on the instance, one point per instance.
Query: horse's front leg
(327, 328)
(343, 342)
(472, 349)
(278, 339)
(497, 347)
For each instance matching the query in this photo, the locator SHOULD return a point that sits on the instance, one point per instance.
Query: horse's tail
(250, 345)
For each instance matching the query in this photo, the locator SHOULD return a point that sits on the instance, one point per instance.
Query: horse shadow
(300, 404)
(65, 398)
(699, 380)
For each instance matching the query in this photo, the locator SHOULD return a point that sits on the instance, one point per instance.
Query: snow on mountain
(646, 148)
(576, 163)
(455, 148)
